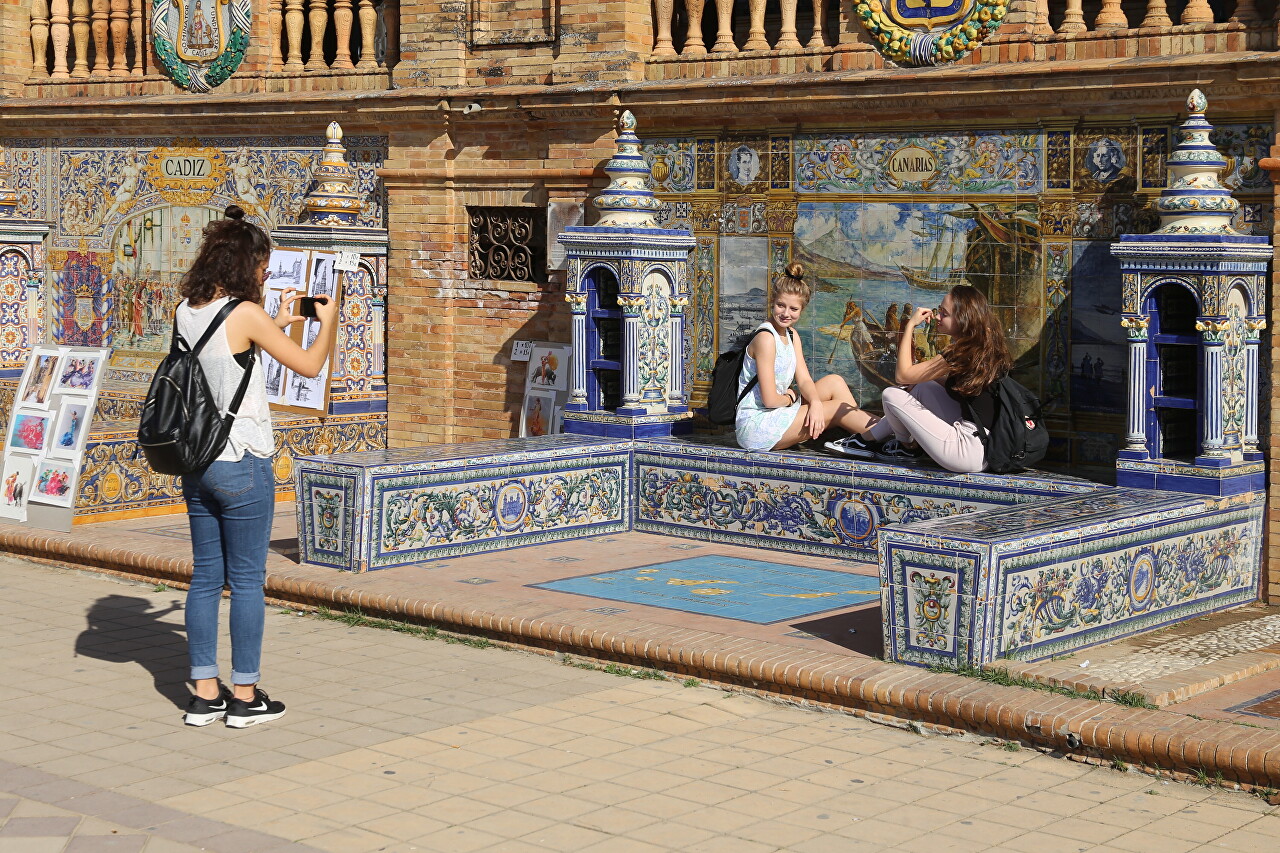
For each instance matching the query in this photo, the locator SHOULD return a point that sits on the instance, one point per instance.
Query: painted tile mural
(126, 219)
(887, 221)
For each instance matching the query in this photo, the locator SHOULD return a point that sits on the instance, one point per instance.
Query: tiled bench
(973, 566)
(1031, 582)
(376, 509)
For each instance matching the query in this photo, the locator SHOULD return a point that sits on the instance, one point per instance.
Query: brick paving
(829, 658)
(396, 742)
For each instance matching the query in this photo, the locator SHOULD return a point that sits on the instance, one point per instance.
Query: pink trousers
(928, 416)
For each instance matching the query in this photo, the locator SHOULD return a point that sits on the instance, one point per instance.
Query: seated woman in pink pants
(927, 416)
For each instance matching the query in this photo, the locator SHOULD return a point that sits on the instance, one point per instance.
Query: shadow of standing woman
(124, 629)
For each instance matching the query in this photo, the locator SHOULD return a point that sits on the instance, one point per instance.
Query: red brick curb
(1076, 727)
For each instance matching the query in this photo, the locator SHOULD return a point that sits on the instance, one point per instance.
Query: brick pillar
(15, 46)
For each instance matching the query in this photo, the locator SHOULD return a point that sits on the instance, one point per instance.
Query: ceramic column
(1253, 331)
(631, 307)
(578, 388)
(1213, 334)
(675, 378)
(1136, 438)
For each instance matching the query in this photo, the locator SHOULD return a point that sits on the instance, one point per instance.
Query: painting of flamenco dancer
(54, 484)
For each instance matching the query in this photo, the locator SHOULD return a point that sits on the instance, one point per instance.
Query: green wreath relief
(200, 42)
(929, 32)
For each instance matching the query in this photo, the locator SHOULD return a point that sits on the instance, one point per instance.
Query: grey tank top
(251, 431)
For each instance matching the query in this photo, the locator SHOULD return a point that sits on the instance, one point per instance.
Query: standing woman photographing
(231, 503)
(930, 416)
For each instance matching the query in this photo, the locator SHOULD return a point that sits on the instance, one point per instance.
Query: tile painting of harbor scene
(871, 264)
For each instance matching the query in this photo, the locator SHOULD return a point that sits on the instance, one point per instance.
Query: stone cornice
(1240, 82)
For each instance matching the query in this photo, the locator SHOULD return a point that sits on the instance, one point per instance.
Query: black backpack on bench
(1018, 438)
(181, 429)
(723, 399)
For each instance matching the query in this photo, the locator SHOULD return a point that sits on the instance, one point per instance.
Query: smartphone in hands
(307, 307)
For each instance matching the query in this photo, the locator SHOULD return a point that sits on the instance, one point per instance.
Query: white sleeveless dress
(757, 427)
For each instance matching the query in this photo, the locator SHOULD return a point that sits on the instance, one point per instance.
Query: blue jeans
(230, 506)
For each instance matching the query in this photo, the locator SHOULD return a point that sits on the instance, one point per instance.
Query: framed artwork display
(38, 378)
(78, 373)
(69, 430)
(29, 432)
(539, 413)
(54, 483)
(15, 485)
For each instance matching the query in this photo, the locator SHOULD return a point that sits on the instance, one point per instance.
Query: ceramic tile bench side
(1063, 575)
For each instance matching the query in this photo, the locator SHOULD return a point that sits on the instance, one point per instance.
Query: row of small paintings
(58, 434)
(309, 274)
(52, 371)
(28, 479)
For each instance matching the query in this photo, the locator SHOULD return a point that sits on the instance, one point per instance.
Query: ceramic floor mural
(749, 590)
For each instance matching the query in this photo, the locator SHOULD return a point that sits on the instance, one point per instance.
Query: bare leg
(840, 407)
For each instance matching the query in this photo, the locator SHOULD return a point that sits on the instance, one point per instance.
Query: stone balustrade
(715, 32)
(110, 39)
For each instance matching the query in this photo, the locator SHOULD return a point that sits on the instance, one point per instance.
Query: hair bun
(233, 211)
(795, 270)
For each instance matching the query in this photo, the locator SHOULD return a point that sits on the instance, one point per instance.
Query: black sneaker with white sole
(854, 445)
(202, 712)
(895, 452)
(262, 709)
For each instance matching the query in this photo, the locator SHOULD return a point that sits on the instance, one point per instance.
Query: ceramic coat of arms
(201, 42)
(929, 32)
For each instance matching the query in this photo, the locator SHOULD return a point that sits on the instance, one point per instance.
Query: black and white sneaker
(202, 712)
(263, 709)
(853, 445)
(897, 453)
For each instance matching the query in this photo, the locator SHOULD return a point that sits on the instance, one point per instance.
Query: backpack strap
(219, 318)
(754, 380)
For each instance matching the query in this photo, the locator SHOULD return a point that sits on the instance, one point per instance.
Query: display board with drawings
(546, 389)
(309, 274)
(48, 430)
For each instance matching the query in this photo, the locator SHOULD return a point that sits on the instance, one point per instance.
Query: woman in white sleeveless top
(231, 503)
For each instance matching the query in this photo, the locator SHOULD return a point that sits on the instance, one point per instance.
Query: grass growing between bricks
(1005, 678)
(355, 618)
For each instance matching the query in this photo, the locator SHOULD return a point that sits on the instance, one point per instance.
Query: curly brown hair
(978, 354)
(228, 260)
(792, 281)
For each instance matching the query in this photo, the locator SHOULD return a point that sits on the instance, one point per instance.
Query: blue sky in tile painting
(732, 587)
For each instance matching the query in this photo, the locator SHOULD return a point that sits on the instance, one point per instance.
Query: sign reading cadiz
(188, 173)
(929, 32)
(200, 42)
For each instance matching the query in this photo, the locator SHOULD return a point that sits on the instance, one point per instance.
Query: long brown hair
(978, 354)
(228, 260)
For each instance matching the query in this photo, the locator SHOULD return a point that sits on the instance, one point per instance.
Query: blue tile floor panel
(732, 587)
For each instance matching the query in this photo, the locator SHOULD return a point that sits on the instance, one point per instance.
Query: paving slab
(821, 648)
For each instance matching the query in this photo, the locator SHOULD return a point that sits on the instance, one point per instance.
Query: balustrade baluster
(1110, 16)
(1197, 12)
(663, 10)
(755, 36)
(1073, 19)
(135, 26)
(318, 18)
(787, 35)
(693, 44)
(1157, 14)
(818, 38)
(98, 26)
(39, 38)
(368, 23)
(60, 30)
(1040, 25)
(1246, 12)
(275, 21)
(80, 37)
(724, 28)
(391, 22)
(342, 19)
(119, 36)
(293, 26)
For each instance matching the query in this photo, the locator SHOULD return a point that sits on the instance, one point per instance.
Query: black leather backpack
(181, 430)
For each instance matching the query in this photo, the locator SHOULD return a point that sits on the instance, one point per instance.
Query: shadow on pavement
(124, 629)
(858, 631)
